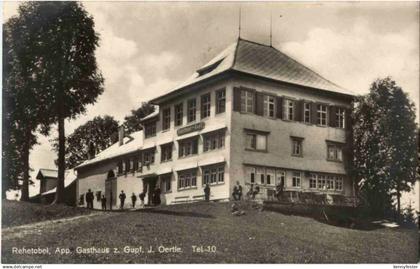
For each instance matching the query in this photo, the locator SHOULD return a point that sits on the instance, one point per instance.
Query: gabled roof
(131, 143)
(47, 173)
(69, 177)
(262, 61)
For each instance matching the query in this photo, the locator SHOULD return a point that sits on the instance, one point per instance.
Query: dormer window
(209, 68)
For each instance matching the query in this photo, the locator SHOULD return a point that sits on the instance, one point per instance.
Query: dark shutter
(347, 119)
(279, 111)
(332, 121)
(314, 114)
(299, 110)
(237, 99)
(259, 103)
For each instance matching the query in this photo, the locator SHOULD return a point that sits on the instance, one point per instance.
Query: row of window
(205, 107)
(256, 140)
(273, 177)
(212, 175)
(187, 147)
(290, 109)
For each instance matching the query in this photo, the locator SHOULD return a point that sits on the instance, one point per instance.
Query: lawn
(16, 213)
(256, 237)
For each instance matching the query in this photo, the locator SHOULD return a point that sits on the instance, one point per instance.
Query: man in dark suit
(89, 199)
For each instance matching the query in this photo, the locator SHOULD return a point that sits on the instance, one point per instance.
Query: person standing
(133, 199)
(122, 199)
(89, 199)
(141, 196)
(207, 193)
(237, 192)
(103, 202)
(157, 196)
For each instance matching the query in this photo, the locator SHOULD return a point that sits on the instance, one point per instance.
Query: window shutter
(299, 110)
(237, 99)
(279, 111)
(347, 119)
(332, 121)
(314, 114)
(259, 103)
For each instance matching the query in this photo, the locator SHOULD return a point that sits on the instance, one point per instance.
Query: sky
(147, 48)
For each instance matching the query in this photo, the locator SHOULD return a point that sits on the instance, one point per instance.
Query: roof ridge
(254, 42)
(235, 54)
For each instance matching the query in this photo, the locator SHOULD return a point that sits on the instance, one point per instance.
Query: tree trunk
(398, 203)
(59, 195)
(25, 159)
(25, 184)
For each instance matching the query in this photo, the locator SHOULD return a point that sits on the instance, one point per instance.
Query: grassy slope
(257, 237)
(16, 213)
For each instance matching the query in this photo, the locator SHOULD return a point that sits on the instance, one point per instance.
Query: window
(270, 175)
(251, 174)
(339, 183)
(307, 112)
(166, 182)
(124, 167)
(191, 110)
(322, 115)
(130, 165)
(179, 114)
(188, 147)
(213, 141)
(247, 101)
(261, 175)
(120, 168)
(220, 101)
(187, 179)
(98, 196)
(340, 117)
(213, 175)
(289, 109)
(312, 182)
(166, 118)
(330, 183)
(205, 105)
(280, 177)
(256, 141)
(297, 146)
(269, 106)
(321, 182)
(149, 157)
(334, 152)
(296, 179)
(166, 152)
(150, 129)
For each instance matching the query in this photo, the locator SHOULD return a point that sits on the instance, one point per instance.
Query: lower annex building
(251, 115)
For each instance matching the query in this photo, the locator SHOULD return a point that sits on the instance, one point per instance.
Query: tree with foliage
(64, 65)
(20, 114)
(385, 154)
(132, 122)
(95, 135)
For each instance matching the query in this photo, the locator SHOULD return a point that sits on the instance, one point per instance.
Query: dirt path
(39, 227)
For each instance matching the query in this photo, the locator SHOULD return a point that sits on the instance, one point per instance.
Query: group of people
(154, 199)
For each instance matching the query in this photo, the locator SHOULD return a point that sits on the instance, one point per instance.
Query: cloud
(356, 57)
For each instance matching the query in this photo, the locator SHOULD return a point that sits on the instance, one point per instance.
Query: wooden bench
(198, 197)
(181, 199)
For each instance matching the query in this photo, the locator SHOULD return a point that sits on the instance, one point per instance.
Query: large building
(251, 115)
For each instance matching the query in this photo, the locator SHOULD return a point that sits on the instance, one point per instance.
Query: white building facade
(251, 115)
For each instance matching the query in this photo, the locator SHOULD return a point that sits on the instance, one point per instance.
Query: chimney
(91, 151)
(121, 135)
